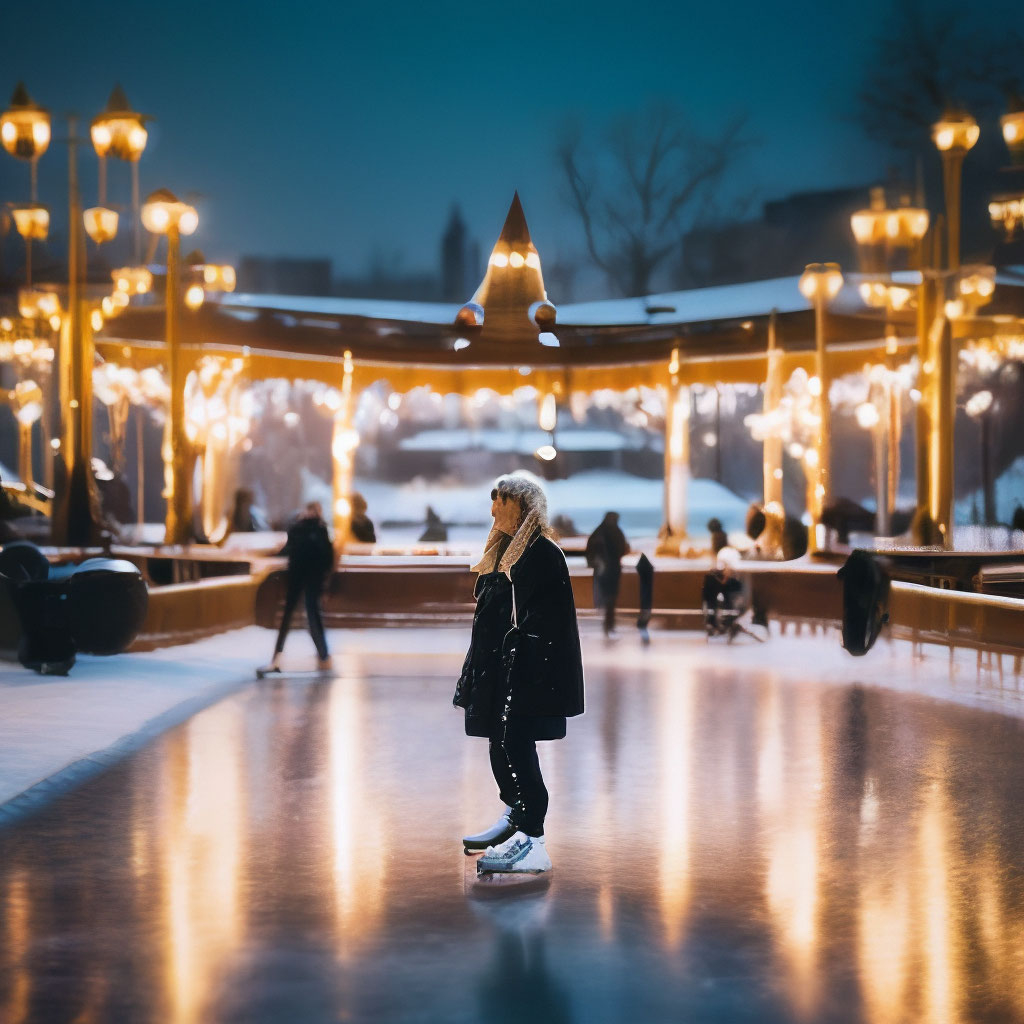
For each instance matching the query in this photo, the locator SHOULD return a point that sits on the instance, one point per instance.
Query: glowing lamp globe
(119, 131)
(100, 224)
(955, 132)
(163, 212)
(821, 281)
(194, 296)
(1013, 133)
(31, 220)
(25, 127)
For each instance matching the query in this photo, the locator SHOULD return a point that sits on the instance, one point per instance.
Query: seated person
(361, 526)
(722, 595)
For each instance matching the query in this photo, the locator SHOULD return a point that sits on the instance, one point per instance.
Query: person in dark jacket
(523, 673)
(605, 548)
(310, 559)
(361, 525)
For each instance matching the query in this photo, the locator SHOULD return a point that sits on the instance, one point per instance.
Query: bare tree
(929, 56)
(637, 192)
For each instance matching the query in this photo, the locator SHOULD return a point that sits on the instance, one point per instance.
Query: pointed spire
(513, 280)
(515, 232)
(118, 101)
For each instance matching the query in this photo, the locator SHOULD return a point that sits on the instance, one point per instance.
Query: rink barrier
(986, 623)
(183, 612)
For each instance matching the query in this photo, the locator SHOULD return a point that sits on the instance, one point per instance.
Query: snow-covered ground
(1009, 494)
(55, 731)
(584, 497)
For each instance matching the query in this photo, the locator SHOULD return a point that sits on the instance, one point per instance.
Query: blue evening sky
(338, 129)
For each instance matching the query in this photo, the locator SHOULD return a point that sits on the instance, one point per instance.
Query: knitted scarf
(496, 553)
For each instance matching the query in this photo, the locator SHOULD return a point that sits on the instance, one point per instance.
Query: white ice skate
(520, 853)
(497, 833)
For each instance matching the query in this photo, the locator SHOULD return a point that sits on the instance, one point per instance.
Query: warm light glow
(867, 415)
(955, 132)
(1013, 130)
(516, 260)
(547, 415)
(821, 281)
(25, 127)
(978, 403)
(194, 296)
(814, 386)
(533, 261)
(546, 452)
(100, 224)
(163, 211)
(188, 222)
(1007, 212)
(119, 131)
(132, 280)
(498, 259)
(31, 220)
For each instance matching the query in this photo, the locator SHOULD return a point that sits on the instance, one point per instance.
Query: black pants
(606, 595)
(516, 770)
(310, 586)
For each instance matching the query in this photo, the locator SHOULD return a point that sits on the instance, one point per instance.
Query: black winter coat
(308, 548)
(536, 669)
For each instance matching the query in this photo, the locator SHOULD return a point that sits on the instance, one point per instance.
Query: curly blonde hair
(525, 488)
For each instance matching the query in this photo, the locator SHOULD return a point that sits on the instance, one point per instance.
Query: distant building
(283, 275)
(802, 228)
(460, 260)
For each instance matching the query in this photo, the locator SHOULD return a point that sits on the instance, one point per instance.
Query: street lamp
(120, 132)
(25, 130)
(820, 283)
(980, 407)
(164, 214)
(1013, 131)
(954, 136)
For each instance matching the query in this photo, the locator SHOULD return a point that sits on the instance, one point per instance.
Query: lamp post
(25, 130)
(980, 407)
(1007, 209)
(820, 283)
(164, 214)
(954, 136)
(677, 459)
(879, 230)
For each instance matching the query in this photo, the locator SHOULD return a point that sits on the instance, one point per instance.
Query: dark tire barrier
(97, 607)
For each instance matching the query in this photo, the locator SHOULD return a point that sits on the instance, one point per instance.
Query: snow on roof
(375, 309)
(720, 303)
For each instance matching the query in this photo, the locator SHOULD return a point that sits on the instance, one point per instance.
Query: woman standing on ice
(523, 675)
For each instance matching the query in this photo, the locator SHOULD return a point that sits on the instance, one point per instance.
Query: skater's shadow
(518, 983)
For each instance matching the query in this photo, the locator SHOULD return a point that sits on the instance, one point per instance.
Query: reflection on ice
(726, 845)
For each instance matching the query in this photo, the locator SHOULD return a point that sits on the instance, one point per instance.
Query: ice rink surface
(761, 833)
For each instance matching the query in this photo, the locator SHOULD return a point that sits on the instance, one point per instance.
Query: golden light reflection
(789, 791)
(883, 931)
(16, 940)
(359, 869)
(939, 968)
(204, 823)
(676, 716)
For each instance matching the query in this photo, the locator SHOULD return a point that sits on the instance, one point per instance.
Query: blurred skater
(605, 548)
(310, 559)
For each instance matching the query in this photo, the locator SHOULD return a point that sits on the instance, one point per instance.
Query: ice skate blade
(284, 673)
(498, 884)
